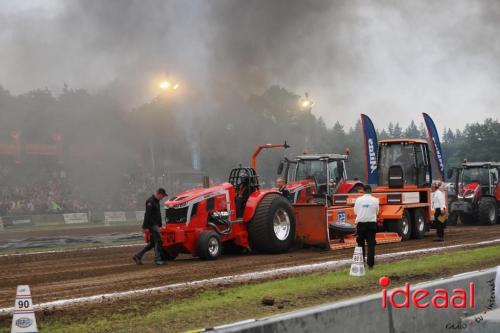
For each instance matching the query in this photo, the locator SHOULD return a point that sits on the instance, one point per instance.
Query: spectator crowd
(49, 190)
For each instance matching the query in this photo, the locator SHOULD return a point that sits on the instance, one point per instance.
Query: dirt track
(54, 276)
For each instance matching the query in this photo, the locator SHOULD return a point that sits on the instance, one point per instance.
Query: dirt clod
(269, 301)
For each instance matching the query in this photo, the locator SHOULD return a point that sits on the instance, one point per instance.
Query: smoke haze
(391, 60)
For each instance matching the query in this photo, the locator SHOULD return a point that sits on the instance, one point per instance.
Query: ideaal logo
(439, 299)
(422, 298)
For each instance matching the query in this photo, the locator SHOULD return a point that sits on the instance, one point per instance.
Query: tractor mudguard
(391, 212)
(252, 203)
(347, 186)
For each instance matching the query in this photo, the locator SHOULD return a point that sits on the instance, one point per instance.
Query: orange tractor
(403, 189)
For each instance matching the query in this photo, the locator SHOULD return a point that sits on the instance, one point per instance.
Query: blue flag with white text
(371, 150)
(435, 143)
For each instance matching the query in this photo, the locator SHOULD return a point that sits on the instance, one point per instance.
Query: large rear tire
(272, 229)
(401, 226)
(418, 224)
(487, 211)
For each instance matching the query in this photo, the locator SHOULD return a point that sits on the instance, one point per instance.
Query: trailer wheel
(208, 245)
(418, 224)
(487, 211)
(401, 226)
(467, 219)
(272, 229)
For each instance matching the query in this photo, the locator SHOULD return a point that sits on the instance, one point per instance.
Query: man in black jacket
(152, 222)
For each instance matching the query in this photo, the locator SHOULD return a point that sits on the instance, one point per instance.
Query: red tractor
(316, 177)
(234, 215)
(478, 195)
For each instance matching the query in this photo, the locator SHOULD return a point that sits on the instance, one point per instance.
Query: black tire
(452, 219)
(208, 245)
(487, 211)
(402, 226)
(261, 229)
(418, 224)
(467, 219)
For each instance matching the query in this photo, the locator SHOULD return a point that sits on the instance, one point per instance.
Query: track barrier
(366, 314)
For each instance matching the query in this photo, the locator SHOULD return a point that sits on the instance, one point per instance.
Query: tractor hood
(468, 191)
(182, 199)
(470, 187)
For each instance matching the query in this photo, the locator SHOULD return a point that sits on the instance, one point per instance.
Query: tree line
(221, 132)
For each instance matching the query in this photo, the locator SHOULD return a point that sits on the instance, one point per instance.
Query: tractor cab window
(335, 171)
(312, 169)
(291, 169)
(401, 155)
(479, 175)
(494, 176)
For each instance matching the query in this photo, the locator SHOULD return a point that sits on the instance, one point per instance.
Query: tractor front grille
(176, 215)
(179, 215)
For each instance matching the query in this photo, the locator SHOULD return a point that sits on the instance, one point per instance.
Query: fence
(115, 217)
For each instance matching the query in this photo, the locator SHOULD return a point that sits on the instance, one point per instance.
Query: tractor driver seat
(396, 177)
(243, 191)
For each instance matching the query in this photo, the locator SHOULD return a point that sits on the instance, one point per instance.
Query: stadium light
(305, 103)
(165, 85)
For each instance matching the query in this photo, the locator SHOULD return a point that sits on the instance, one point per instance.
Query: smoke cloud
(388, 59)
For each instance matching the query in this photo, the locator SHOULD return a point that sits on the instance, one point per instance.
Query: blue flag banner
(435, 143)
(371, 150)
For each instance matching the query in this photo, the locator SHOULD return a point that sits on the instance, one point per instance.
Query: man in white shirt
(438, 204)
(366, 209)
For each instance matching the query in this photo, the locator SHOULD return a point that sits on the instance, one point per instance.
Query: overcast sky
(389, 59)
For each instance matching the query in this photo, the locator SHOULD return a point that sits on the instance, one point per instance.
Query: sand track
(54, 276)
